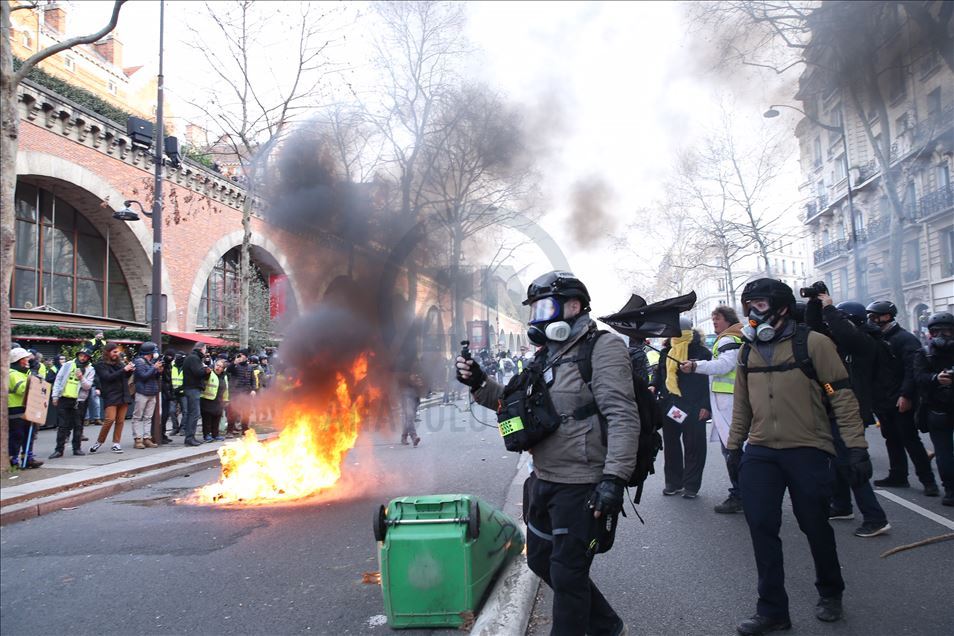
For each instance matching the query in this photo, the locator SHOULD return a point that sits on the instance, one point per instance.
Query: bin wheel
(473, 521)
(380, 528)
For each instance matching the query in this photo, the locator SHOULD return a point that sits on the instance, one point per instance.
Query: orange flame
(305, 458)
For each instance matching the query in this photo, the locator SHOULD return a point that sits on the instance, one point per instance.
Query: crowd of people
(104, 386)
(789, 390)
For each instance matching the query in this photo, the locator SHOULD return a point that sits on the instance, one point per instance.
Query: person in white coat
(721, 372)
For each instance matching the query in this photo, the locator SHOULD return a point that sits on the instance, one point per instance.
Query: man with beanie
(148, 372)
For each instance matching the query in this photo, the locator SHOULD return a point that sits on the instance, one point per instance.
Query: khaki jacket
(575, 452)
(786, 409)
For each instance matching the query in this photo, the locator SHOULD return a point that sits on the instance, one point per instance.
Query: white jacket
(721, 402)
(85, 384)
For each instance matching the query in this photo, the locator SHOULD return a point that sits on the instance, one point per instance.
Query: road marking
(947, 523)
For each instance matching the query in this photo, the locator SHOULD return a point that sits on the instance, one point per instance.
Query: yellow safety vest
(212, 387)
(42, 370)
(71, 390)
(176, 377)
(17, 388)
(724, 383)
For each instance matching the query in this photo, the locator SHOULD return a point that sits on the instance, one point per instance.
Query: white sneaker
(94, 447)
(117, 448)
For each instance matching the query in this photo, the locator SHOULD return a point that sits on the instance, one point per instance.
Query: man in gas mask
(582, 467)
(780, 410)
(934, 373)
(895, 406)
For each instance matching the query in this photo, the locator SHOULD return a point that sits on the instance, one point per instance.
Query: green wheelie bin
(438, 555)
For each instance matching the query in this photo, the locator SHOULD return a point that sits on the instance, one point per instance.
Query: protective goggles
(545, 310)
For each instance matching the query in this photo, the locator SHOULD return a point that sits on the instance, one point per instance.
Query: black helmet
(775, 291)
(253, 359)
(147, 348)
(855, 312)
(941, 319)
(557, 283)
(86, 351)
(882, 307)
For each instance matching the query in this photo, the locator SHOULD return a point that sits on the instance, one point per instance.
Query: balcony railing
(937, 201)
(811, 209)
(935, 123)
(877, 228)
(822, 201)
(831, 250)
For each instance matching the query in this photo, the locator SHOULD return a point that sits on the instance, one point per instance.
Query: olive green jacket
(575, 452)
(786, 409)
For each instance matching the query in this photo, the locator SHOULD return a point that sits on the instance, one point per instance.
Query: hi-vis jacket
(721, 372)
(67, 386)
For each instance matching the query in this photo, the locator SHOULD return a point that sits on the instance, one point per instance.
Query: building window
(910, 198)
(944, 176)
(947, 252)
(111, 87)
(62, 262)
(843, 282)
(912, 261)
(26, 40)
(69, 63)
(721, 285)
(817, 152)
(934, 103)
(837, 121)
(841, 168)
(897, 80)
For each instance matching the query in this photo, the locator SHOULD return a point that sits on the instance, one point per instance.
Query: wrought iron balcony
(877, 228)
(822, 201)
(831, 250)
(868, 170)
(937, 201)
(811, 209)
(934, 124)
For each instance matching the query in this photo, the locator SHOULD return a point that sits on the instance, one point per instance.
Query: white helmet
(19, 354)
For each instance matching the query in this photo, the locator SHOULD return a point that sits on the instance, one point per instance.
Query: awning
(200, 337)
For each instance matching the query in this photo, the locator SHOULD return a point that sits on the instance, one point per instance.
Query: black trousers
(764, 475)
(684, 448)
(69, 421)
(942, 434)
(901, 436)
(168, 409)
(559, 529)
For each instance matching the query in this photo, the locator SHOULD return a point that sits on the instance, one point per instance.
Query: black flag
(659, 320)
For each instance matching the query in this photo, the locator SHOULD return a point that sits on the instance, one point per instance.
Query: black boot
(931, 490)
(762, 625)
(828, 609)
(892, 481)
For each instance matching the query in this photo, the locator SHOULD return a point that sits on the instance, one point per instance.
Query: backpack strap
(584, 362)
(803, 362)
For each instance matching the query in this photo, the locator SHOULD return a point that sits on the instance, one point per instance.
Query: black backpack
(650, 417)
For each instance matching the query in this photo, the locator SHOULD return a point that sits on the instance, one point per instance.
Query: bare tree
(253, 103)
(841, 45)
(9, 142)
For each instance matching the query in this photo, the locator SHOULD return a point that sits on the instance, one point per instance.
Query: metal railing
(831, 250)
(936, 201)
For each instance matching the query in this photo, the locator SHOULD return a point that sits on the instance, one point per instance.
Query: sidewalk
(71, 480)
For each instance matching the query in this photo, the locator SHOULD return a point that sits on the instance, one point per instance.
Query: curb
(69, 498)
(507, 609)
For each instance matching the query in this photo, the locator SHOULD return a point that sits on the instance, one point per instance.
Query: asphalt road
(690, 571)
(141, 563)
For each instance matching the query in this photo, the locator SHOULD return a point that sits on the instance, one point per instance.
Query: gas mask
(760, 327)
(942, 342)
(547, 323)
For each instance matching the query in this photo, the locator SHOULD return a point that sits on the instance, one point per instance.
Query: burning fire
(305, 458)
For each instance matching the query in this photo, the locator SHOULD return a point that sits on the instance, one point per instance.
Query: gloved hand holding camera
(607, 497)
(470, 373)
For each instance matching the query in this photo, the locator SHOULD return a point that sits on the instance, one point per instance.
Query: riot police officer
(578, 471)
(895, 407)
(934, 373)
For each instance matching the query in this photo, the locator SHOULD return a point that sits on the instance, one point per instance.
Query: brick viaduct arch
(263, 250)
(96, 199)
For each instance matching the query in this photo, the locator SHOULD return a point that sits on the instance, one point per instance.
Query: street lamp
(859, 280)
(127, 214)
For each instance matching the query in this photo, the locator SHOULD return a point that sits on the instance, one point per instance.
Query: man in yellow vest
(721, 372)
(173, 398)
(19, 437)
(70, 392)
(212, 401)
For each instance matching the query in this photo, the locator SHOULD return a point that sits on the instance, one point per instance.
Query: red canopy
(200, 337)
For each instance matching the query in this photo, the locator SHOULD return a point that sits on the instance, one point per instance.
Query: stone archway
(96, 199)
(263, 251)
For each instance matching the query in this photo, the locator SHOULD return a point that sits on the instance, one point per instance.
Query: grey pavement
(690, 571)
(145, 562)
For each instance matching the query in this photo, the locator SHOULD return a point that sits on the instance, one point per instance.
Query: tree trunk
(10, 126)
(245, 269)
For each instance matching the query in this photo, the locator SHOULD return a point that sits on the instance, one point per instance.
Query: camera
(818, 287)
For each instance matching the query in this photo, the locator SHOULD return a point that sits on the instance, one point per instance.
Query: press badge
(548, 376)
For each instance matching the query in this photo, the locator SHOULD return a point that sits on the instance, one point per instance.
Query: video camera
(818, 287)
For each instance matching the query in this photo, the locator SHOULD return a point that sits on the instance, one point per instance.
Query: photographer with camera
(858, 346)
(934, 373)
(584, 442)
(895, 406)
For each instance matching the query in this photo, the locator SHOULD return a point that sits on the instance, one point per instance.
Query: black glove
(477, 375)
(860, 464)
(607, 497)
(732, 463)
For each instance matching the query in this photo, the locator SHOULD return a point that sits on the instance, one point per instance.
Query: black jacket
(905, 347)
(927, 364)
(113, 383)
(856, 346)
(693, 386)
(637, 357)
(240, 378)
(193, 371)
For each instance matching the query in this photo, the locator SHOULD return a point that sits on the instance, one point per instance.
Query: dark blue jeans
(865, 497)
(942, 435)
(191, 417)
(764, 475)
